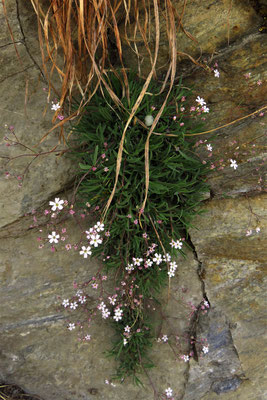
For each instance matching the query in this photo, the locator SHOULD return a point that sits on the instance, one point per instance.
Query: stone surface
(44, 357)
(219, 371)
(23, 102)
(212, 24)
(227, 268)
(234, 268)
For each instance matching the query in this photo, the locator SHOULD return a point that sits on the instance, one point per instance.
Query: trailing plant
(140, 244)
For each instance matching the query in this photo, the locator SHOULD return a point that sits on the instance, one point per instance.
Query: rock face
(207, 27)
(225, 266)
(23, 101)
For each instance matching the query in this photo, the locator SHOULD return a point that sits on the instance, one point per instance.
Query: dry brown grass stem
(225, 125)
(80, 40)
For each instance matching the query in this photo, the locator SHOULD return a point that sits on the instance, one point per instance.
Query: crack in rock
(220, 370)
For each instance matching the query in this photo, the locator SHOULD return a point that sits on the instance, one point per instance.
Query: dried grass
(74, 38)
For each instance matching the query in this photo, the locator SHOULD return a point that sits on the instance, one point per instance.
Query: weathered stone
(235, 278)
(42, 356)
(218, 371)
(23, 102)
(37, 350)
(212, 24)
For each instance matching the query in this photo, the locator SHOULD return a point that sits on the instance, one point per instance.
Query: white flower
(168, 392)
(205, 349)
(112, 300)
(249, 232)
(86, 251)
(176, 244)
(82, 299)
(233, 164)
(209, 147)
(164, 338)
(206, 304)
(125, 341)
(200, 101)
(157, 258)
(105, 313)
(87, 337)
(258, 229)
(185, 358)
(171, 273)
(173, 265)
(118, 314)
(53, 238)
(65, 303)
(137, 261)
(71, 327)
(149, 262)
(57, 204)
(74, 305)
(79, 292)
(127, 329)
(101, 306)
(55, 106)
(91, 231)
(167, 257)
(95, 240)
(129, 267)
(216, 73)
(99, 227)
(149, 119)
(205, 109)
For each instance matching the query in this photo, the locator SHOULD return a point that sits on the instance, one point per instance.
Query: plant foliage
(176, 187)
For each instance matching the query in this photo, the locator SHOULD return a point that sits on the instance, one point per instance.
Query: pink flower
(68, 246)
(72, 212)
(136, 221)
(259, 82)
(63, 230)
(60, 117)
(183, 98)
(93, 168)
(182, 124)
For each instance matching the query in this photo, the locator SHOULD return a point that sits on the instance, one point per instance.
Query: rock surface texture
(225, 267)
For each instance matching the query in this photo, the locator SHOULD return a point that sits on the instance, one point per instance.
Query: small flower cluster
(177, 244)
(118, 314)
(201, 103)
(250, 231)
(173, 267)
(94, 239)
(168, 392)
(105, 311)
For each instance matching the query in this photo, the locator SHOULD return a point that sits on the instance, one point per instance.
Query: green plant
(142, 238)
